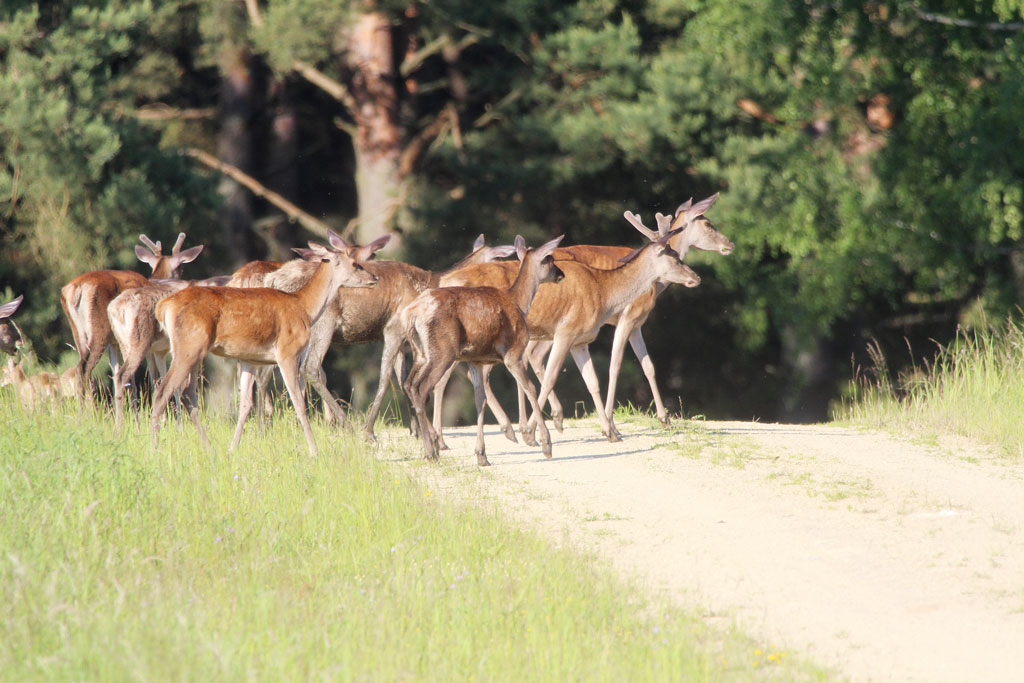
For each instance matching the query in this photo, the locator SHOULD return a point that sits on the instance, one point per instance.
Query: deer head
(10, 337)
(166, 266)
(667, 265)
(696, 230)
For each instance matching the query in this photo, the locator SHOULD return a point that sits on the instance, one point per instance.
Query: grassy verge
(120, 562)
(974, 388)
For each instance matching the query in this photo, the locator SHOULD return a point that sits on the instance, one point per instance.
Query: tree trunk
(234, 145)
(810, 380)
(283, 166)
(379, 137)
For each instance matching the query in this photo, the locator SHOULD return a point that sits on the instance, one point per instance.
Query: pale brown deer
(10, 337)
(479, 325)
(693, 229)
(696, 232)
(86, 297)
(359, 316)
(132, 316)
(259, 326)
(41, 386)
(572, 314)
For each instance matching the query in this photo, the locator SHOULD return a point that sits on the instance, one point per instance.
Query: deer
(86, 297)
(359, 316)
(133, 324)
(10, 336)
(42, 386)
(479, 325)
(695, 230)
(586, 299)
(257, 326)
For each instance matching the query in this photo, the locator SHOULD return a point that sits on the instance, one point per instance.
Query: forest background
(869, 157)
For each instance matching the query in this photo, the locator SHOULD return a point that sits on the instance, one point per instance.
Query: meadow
(120, 562)
(974, 388)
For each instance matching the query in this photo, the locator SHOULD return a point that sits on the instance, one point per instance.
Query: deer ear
(367, 253)
(146, 256)
(306, 254)
(548, 247)
(520, 247)
(685, 206)
(187, 256)
(337, 241)
(478, 243)
(8, 309)
(501, 251)
(702, 206)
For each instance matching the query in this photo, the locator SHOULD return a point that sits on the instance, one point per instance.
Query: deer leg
(518, 369)
(535, 352)
(388, 360)
(246, 379)
(581, 354)
(132, 361)
(622, 331)
(636, 340)
(190, 402)
(556, 358)
(425, 381)
(264, 409)
(174, 380)
(290, 373)
(480, 399)
(400, 371)
(312, 367)
(492, 402)
(438, 392)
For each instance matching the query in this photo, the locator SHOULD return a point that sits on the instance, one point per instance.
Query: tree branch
(965, 23)
(293, 212)
(164, 112)
(334, 88)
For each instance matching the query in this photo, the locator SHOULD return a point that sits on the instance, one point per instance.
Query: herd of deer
(551, 301)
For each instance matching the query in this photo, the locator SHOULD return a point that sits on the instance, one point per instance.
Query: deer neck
(313, 295)
(681, 242)
(524, 289)
(163, 270)
(626, 283)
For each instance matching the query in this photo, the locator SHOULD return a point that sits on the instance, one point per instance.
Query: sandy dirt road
(878, 558)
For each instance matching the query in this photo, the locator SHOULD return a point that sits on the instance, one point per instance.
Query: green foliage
(972, 388)
(81, 178)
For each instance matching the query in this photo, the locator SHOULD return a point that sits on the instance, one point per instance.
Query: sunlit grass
(120, 562)
(974, 388)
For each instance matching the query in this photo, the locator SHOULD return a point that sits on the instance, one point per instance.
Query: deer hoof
(510, 434)
(557, 419)
(614, 436)
(371, 437)
(529, 439)
(481, 460)
(665, 420)
(547, 451)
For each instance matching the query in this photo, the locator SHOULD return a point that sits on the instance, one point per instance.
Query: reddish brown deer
(10, 337)
(256, 326)
(572, 315)
(85, 300)
(693, 230)
(480, 325)
(359, 316)
(133, 323)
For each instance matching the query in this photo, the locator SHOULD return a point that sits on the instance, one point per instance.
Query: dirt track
(880, 559)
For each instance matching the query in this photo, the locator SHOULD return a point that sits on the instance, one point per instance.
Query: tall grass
(121, 562)
(974, 388)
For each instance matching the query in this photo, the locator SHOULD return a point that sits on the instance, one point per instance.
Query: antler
(177, 245)
(155, 247)
(635, 221)
(664, 223)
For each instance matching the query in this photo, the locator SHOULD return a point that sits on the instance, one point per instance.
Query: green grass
(974, 388)
(120, 562)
